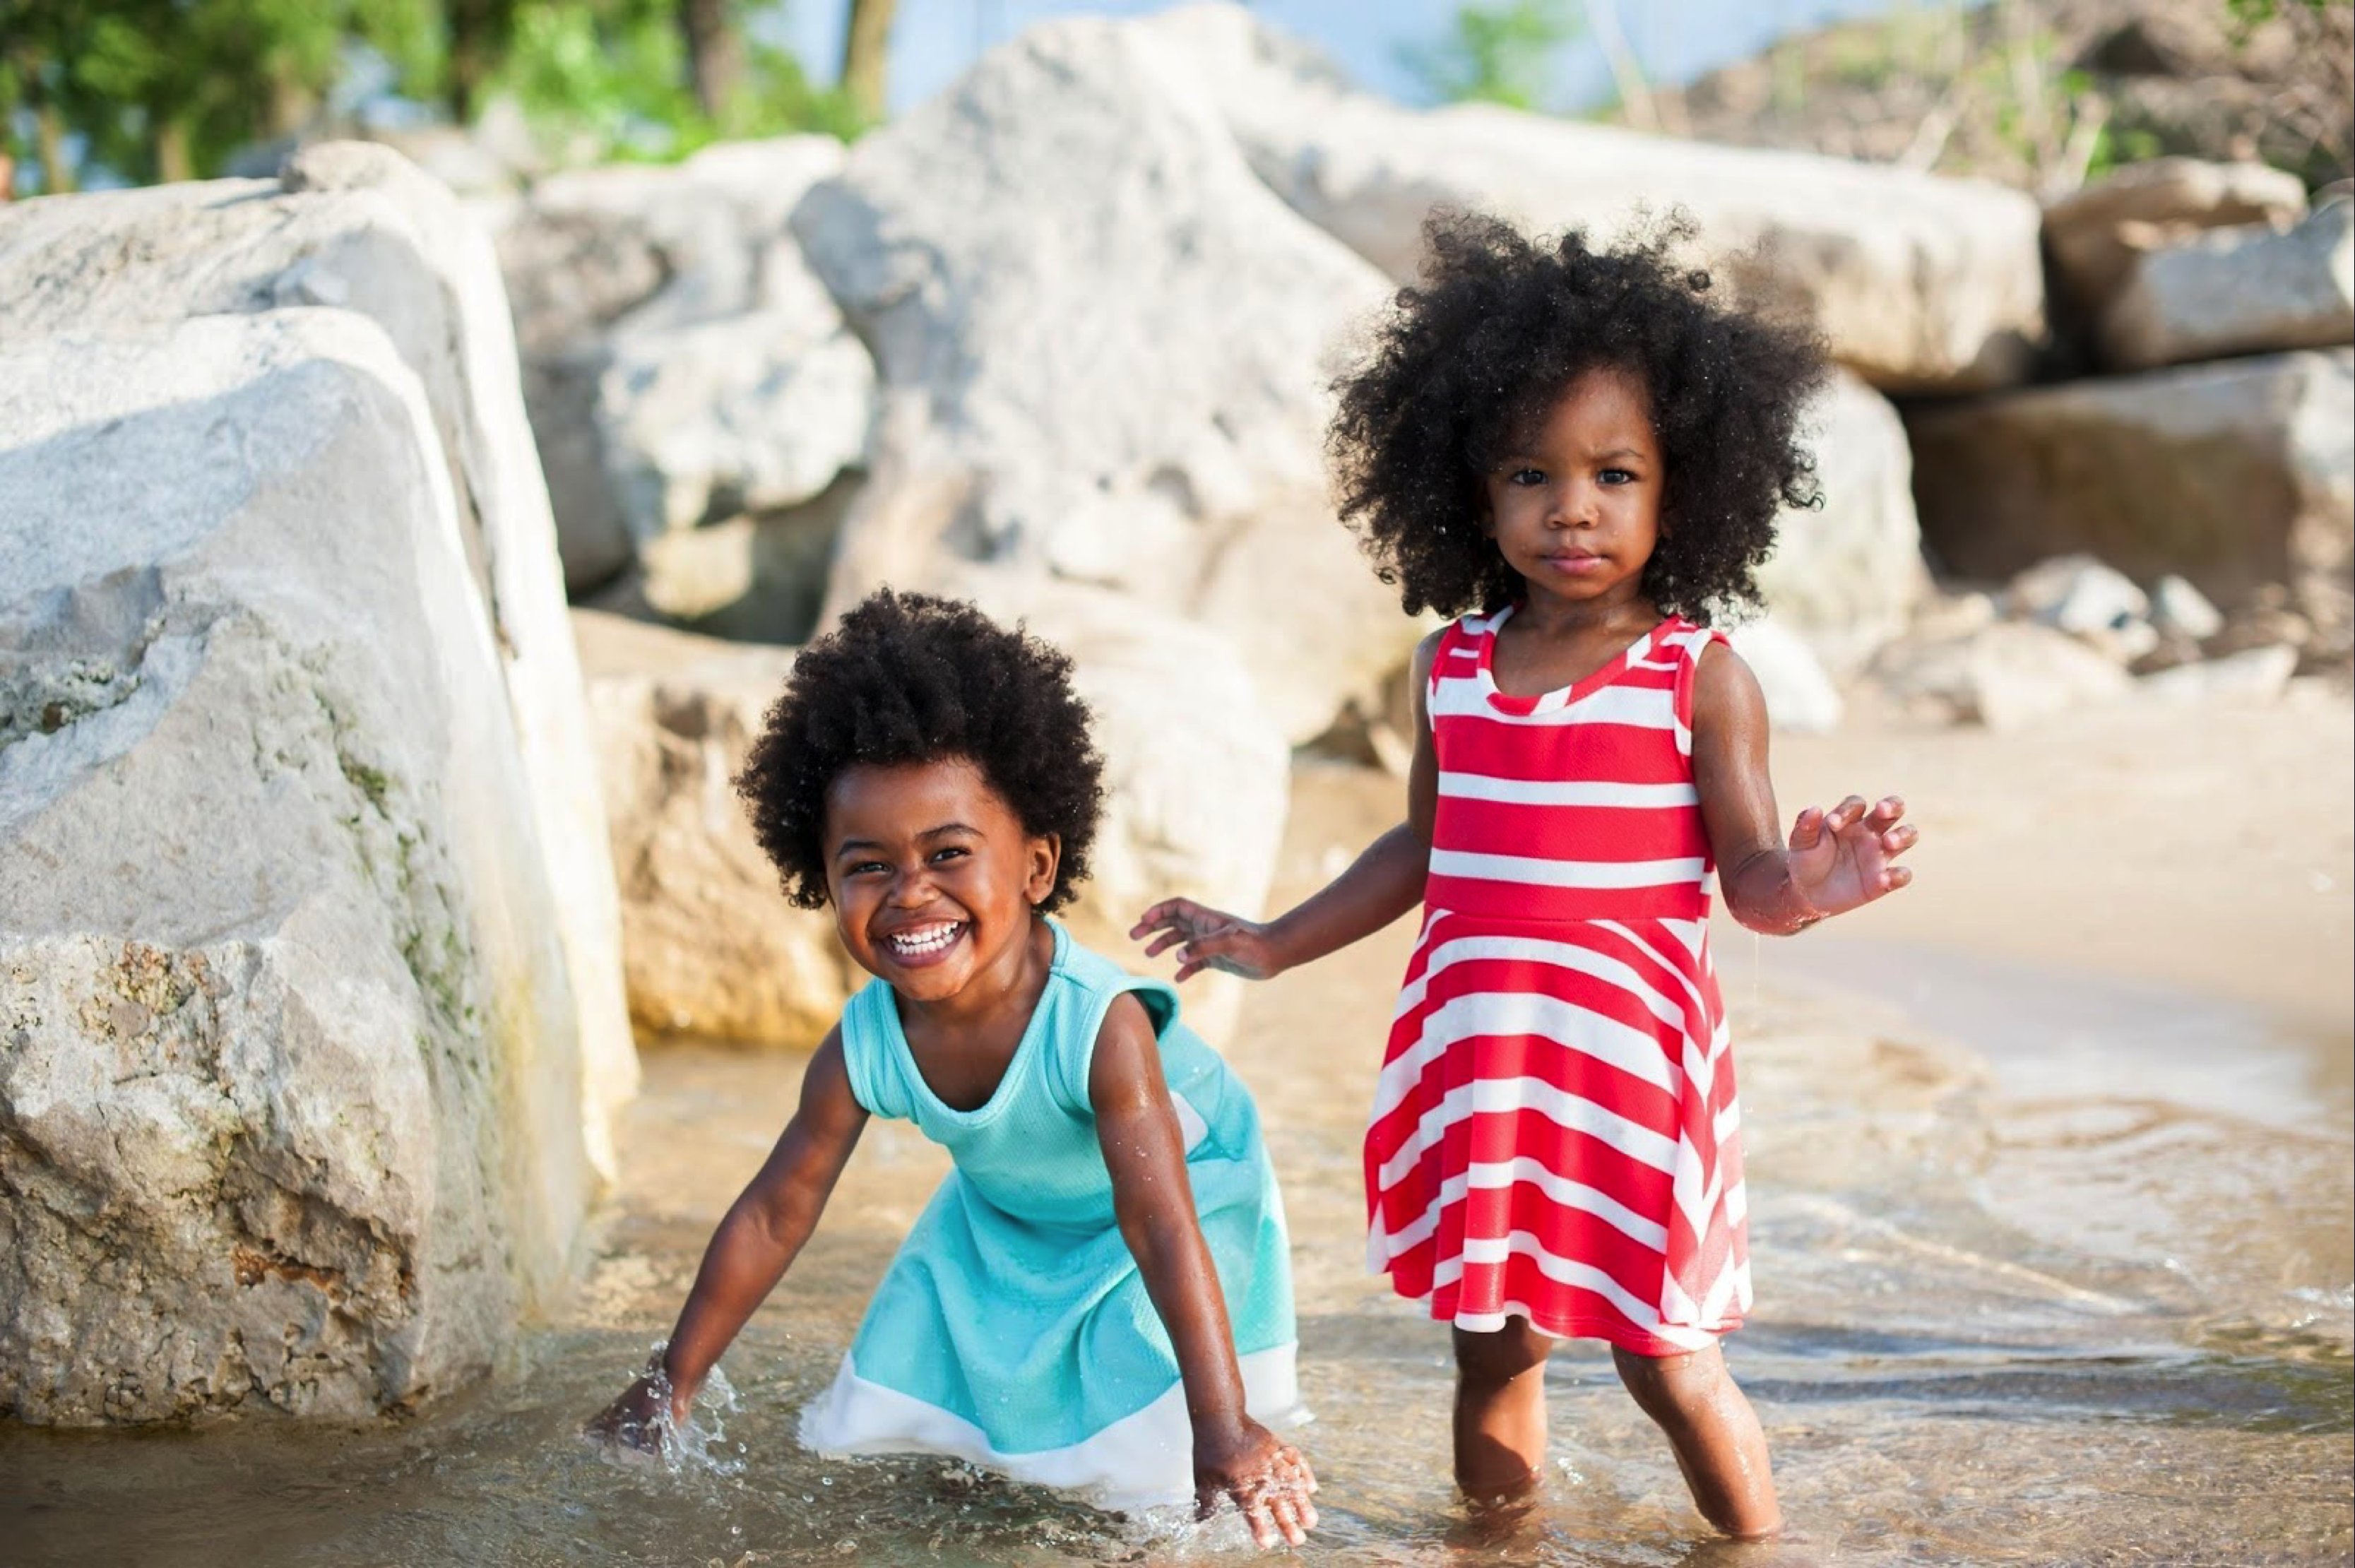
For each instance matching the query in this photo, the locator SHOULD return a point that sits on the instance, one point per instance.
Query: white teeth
(924, 939)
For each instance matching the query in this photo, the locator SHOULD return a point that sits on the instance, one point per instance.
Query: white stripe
(1538, 872)
(1568, 792)
(1537, 949)
(1447, 954)
(1567, 1024)
(1642, 707)
(1737, 1203)
(1627, 934)
(1502, 1174)
(1561, 1271)
(1487, 1095)
(1490, 1322)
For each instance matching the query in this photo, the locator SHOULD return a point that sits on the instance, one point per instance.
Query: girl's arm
(1835, 861)
(755, 1243)
(1234, 1457)
(1383, 884)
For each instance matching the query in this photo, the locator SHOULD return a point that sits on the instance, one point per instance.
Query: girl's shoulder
(1083, 990)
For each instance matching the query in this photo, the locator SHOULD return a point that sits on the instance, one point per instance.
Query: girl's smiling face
(931, 874)
(1574, 507)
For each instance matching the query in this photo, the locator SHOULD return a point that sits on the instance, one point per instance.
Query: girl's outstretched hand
(1845, 857)
(639, 1418)
(1269, 1481)
(1213, 939)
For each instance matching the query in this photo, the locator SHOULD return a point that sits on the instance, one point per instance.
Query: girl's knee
(1498, 1358)
(1672, 1385)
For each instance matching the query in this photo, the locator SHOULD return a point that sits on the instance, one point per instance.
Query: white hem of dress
(1145, 1460)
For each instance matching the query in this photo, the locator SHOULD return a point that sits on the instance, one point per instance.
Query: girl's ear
(1046, 859)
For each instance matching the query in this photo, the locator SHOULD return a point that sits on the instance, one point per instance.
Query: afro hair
(906, 678)
(1473, 355)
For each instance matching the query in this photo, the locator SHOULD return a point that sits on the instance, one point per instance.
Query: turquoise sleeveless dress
(1013, 1329)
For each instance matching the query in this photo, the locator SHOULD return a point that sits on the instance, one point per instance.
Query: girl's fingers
(1257, 1514)
(1163, 943)
(1897, 877)
(1808, 829)
(1285, 1512)
(1897, 840)
(1845, 814)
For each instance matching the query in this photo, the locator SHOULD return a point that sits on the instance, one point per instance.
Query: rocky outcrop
(682, 364)
(2233, 474)
(710, 946)
(1846, 578)
(1920, 283)
(354, 227)
(2250, 290)
(2095, 235)
(1102, 344)
(291, 1091)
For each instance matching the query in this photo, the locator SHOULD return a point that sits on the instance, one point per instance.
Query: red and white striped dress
(1554, 1133)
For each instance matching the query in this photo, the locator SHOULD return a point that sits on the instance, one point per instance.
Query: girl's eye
(864, 867)
(1617, 476)
(1526, 476)
(950, 853)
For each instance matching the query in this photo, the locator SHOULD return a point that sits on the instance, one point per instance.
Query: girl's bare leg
(1715, 1433)
(1500, 1418)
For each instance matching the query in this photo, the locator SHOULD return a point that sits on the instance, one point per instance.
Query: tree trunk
(715, 59)
(480, 31)
(866, 46)
(172, 160)
(49, 135)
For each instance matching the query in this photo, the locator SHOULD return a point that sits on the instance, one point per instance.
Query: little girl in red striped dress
(1583, 456)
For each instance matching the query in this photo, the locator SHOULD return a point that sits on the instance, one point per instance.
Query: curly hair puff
(907, 677)
(1476, 353)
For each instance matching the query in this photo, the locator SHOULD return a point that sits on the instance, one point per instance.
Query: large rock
(1101, 342)
(289, 1078)
(1920, 283)
(353, 226)
(1846, 578)
(683, 365)
(2238, 291)
(711, 948)
(2095, 234)
(2233, 474)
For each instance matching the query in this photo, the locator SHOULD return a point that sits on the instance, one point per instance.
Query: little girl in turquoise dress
(1099, 1297)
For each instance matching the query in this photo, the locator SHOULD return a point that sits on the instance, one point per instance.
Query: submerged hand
(1845, 857)
(1213, 940)
(640, 1417)
(1267, 1478)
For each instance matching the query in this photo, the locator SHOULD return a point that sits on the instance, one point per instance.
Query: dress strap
(1690, 642)
(878, 1078)
(1089, 982)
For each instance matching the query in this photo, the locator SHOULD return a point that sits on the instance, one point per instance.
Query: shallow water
(2067, 1284)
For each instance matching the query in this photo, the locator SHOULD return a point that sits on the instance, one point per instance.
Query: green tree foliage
(615, 79)
(1496, 53)
(157, 89)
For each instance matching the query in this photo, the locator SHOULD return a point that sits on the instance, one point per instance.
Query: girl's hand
(1269, 1481)
(1845, 857)
(1213, 940)
(640, 1417)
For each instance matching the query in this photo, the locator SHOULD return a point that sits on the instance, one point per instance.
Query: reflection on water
(2075, 1291)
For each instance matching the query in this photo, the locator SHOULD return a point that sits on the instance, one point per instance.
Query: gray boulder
(2249, 289)
(1920, 283)
(2232, 474)
(682, 364)
(291, 1090)
(2095, 234)
(353, 226)
(1101, 342)
(711, 947)
(1846, 578)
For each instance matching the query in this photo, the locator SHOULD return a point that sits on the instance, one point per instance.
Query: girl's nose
(909, 890)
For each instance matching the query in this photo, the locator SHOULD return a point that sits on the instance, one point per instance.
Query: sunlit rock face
(290, 1072)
